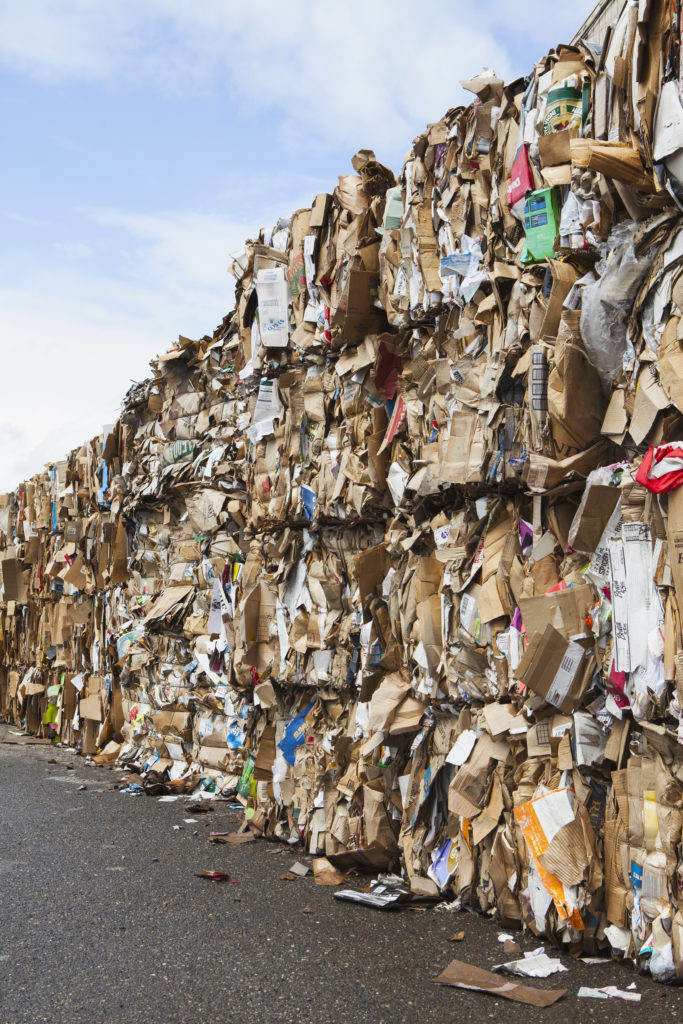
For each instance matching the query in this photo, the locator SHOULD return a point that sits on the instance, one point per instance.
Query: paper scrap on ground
(462, 975)
(533, 966)
(608, 992)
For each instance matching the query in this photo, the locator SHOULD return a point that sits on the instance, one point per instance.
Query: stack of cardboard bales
(374, 555)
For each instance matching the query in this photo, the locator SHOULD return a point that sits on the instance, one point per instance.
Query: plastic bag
(662, 967)
(606, 305)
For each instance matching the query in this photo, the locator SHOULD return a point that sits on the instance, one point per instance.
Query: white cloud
(178, 252)
(64, 372)
(74, 339)
(360, 73)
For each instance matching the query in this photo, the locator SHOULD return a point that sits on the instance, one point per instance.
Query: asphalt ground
(103, 921)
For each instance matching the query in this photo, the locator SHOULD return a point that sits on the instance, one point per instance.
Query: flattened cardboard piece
(26, 740)
(119, 555)
(259, 614)
(576, 402)
(13, 581)
(407, 717)
(72, 532)
(467, 791)
(429, 620)
(567, 855)
(615, 422)
(502, 718)
(325, 873)
(463, 975)
(617, 160)
(89, 731)
(233, 838)
(592, 519)
(263, 768)
(565, 609)
(377, 826)
(650, 399)
(91, 708)
(392, 708)
(319, 210)
(545, 735)
(371, 858)
(490, 604)
(675, 537)
(494, 545)
(670, 363)
(564, 277)
(616, 741)
(553, 668)
(76, 573)
(542, 473)
(559, 175)
(204, 508)
(555, 148)
(371, 567)
(357, 314)
(109, 754)
(488, 820)
(167, 600)
(177, 723)
(354, 360)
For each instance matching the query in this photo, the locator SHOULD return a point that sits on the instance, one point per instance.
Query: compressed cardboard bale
(383, 572)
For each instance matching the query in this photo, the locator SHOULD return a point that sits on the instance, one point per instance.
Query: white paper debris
(608, 992)
(462, 748)
(533, 965)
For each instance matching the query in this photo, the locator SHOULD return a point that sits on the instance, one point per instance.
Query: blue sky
(144, 140)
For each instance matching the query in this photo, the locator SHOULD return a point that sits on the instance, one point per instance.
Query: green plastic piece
(541, 223)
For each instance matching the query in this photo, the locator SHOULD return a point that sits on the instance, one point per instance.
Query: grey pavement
(102, 921)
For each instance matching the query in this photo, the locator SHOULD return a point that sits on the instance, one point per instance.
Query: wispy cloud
(73, 250)
(363, 72)
(29, 222)
(74, 337)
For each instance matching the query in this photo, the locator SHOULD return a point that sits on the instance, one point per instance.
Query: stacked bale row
(375, 556)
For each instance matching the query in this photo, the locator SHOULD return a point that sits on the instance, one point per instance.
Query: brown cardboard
(593, 517)
(650, 400)
(670, 363)
(566, 610)
(616, 418)
(357, 314)
(168, 600)
(555, 148)
(91, 708)
(463, 975)
(576, 399)
(615, 159)
(502, 718)
(564, 276)
(13, 581)
(371, 568)
(675, 538)
(553, 668)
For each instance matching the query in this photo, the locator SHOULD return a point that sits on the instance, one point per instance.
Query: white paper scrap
(608, 992)
(462, 748)
(536, 966)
